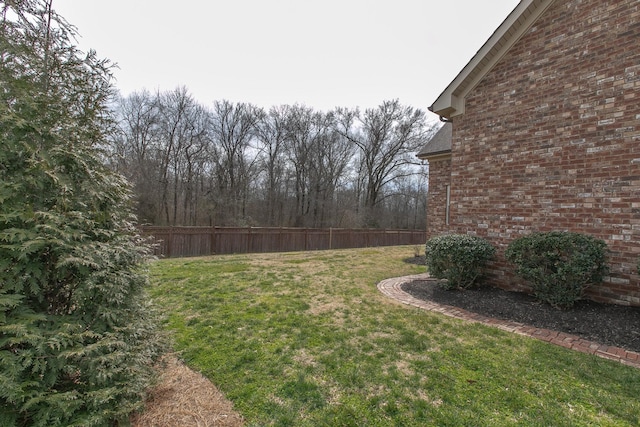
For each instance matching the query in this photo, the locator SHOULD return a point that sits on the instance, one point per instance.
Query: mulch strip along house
(542, 133)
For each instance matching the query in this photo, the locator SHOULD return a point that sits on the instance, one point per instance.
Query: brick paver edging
(392, 288)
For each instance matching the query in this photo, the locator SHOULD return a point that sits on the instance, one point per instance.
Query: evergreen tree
(78, 336)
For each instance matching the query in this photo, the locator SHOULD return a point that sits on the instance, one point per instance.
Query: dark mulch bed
(603, 323)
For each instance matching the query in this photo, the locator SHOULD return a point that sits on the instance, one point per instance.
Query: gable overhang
(451, 101)
(434, 157)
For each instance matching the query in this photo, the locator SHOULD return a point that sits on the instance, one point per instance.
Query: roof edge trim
(432, 157)
(451, 101)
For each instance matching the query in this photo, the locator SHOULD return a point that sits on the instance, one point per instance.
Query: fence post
(212, 241)
(330, 236)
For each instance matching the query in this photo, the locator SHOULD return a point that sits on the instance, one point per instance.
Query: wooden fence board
(200, 241)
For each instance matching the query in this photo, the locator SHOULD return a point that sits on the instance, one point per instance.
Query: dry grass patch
(404, 368)
(317, 308)
(304, 359)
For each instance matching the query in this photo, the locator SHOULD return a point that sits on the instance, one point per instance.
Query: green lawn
(305, 339)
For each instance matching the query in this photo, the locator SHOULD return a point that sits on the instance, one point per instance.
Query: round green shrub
(559, 265)
(457, 258)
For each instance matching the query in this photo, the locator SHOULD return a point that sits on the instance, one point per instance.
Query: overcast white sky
(323, 54)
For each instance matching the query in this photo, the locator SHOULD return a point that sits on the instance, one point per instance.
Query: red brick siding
(439, 178)
(550, 140)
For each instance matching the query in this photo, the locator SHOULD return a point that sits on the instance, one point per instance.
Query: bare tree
(196, 140)
(177, 130)
(271, 133)
(330, 157)
(233, 129)
(405, 204)
(387, 138)
(298, 141)
(135, 146)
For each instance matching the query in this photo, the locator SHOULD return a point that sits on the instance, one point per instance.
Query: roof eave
(431, 157)
(451, 101)
(447, 106)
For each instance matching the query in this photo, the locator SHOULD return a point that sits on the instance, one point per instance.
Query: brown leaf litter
(183, 397)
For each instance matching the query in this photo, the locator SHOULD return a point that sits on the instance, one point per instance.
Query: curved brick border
(392, 288)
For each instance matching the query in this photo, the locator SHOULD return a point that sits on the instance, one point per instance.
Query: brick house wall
(550, 140)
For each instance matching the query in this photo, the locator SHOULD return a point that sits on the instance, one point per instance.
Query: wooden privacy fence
(198, 241)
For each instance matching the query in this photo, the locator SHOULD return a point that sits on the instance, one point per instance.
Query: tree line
(235, 164)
